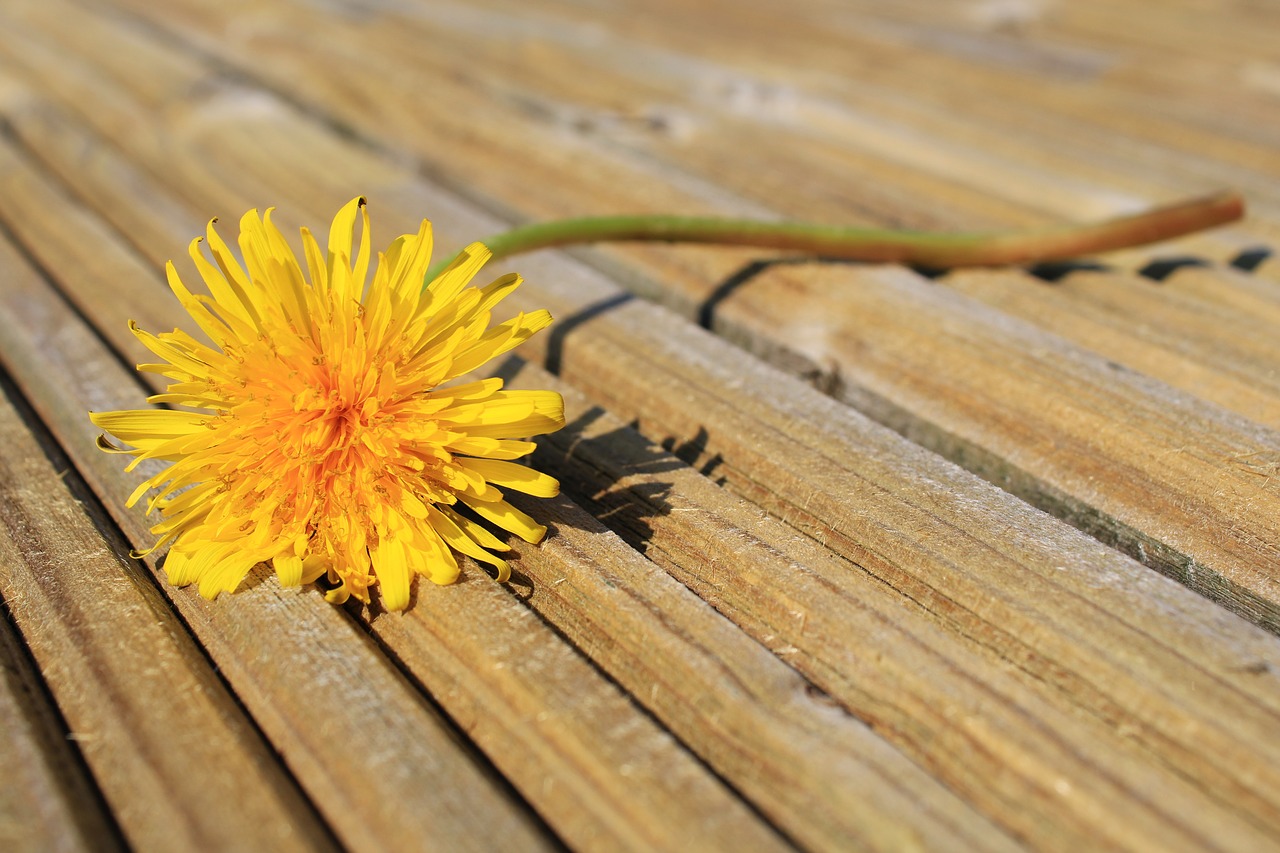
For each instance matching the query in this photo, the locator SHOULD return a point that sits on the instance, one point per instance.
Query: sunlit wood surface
(848, 556)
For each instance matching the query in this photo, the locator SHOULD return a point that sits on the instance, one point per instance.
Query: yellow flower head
(324, 438)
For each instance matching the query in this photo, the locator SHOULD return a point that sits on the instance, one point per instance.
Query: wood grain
(760, 724)
(142, 703)
(48, 801)
(596, 767)
(1196, 342)
(797, 599)
(1125, 458)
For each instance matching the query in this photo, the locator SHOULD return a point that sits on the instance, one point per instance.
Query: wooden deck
(847, 557)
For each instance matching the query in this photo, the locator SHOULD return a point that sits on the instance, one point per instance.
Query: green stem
(941, 251)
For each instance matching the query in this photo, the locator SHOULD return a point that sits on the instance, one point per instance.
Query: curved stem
(915, 248)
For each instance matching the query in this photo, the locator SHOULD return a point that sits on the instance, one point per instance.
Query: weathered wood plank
(1025, 82)
(1255, 295)
(600, 771)
(593, 789)
(1199, 343)
(819, 774)
(811, 788)
(1127, 459)
(764, 727)
(772, 151)
(634, 396)
(47, 801)
(643, 83)
(851, 488)
(812, 156)
(815, 610)
(1269, 269)
(140, 698)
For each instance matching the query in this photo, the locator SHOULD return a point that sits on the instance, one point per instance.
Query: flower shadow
(1157, 269)
(1050, 272)
(615, 474)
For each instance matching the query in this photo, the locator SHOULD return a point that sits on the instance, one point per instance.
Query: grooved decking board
(587, 750)
(595, 767)
(47, 802)
(1199, 343)
(141, 701)
(1124, 457)
(987, 567)
(815, 610)
(599, 770)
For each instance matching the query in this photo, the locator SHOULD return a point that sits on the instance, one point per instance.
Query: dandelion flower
(322, 430)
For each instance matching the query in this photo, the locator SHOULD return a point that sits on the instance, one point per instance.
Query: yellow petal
(313, 567)
(226, 573)
(509, 518)
(432, 556)
(188, 563)
(288, 569)
(460, 541)
(492, 448)
(392, 568)
(148, 424)
(410, 263)
(347, 284)
(227, 283)
(510, 475)
(446, 286)
(498, 340)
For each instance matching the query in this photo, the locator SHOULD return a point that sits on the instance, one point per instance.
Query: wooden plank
(1123, 457)
(1255, 295)
(711, 94)
(804, 158)
(822, 776)
(783, 589)
(399, 766)
(1199, 343)
(982, 564)
(141, 700)
(761, 725)
(589, 194)
(598, 770)
(920, 58)
(811, 790)
(589, 94)
(1269, 268)
(47, 801)
(1095, 562)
